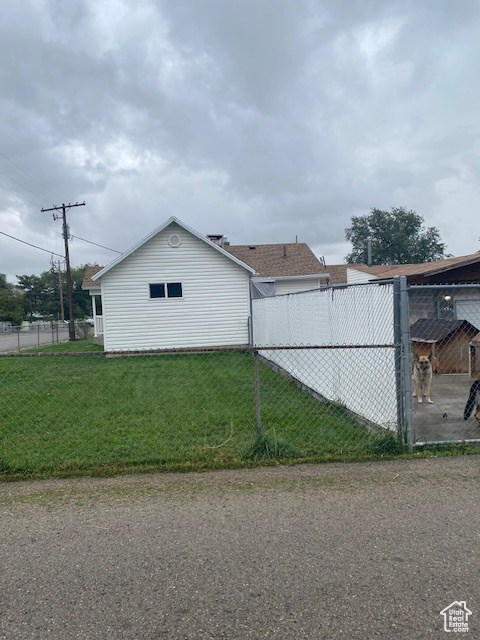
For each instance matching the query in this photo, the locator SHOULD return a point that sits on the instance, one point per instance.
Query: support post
(403, 360)
(407, 363)
(397, 339)
(258, 412)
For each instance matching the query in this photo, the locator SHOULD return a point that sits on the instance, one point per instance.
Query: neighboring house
(443, 302)
(447, 341)
(211, 304)
(448, 270)
(174, 289)
(95, 291)
(282, 268)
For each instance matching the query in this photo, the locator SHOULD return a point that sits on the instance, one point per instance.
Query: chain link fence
(445, 339)
(28, 334)
(328, 376)
(178, 410)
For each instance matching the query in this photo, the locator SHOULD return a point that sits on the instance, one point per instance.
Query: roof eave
(323, 276)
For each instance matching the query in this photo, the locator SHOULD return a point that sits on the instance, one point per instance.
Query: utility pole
(60, 283)
(64, 208)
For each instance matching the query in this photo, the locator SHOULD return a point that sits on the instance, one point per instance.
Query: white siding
(214, 309)
(355, 276)
(296, 286)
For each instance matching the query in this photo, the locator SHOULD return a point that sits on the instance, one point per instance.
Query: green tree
(42, 294)
(81, 299)
(34, 290)
(11, 307)
(11, 302)
(397, 236)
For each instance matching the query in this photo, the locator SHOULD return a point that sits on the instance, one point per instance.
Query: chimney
(219, 239)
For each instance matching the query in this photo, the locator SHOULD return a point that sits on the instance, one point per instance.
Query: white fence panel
(359, 320)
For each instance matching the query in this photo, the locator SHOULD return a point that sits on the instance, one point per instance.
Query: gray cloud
(262, 120)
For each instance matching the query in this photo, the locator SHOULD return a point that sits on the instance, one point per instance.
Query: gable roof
(423, 269)
(433, 330)
(172, 220)
(279, 260)
(264, 260)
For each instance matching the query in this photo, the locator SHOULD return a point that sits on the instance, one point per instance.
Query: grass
(76, 346)
(71, 414)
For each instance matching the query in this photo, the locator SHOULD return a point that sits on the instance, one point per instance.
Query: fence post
(258, 414)
(403, 360)
(407, 362)
(397, 339)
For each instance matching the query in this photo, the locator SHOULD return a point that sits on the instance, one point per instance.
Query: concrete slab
(443, 420)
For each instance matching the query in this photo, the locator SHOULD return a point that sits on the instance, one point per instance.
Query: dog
(473, 402)
(422, 378)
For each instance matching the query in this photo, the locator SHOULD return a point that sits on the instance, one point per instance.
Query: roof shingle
(424, 268)
(276, 260)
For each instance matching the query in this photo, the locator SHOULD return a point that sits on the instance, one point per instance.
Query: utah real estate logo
(455, 617)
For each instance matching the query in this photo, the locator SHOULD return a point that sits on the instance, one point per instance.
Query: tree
(397, 236)
(42, 294)
(11, 302)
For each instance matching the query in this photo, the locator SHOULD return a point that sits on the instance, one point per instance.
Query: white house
(173, 289)
(177, 288)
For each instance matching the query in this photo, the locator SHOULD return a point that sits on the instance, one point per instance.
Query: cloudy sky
(265, 120)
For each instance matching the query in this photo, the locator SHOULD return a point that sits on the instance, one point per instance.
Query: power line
(31, 245)
(30, 175)
(23, 187)
(17, 215)
(97, 245)
(19, 195)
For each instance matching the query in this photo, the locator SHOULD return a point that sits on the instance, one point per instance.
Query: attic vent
(252, 247)
(174, 240)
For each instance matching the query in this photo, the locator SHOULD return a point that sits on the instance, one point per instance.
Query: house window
(157, 291)
(174, 289)
(166, 290)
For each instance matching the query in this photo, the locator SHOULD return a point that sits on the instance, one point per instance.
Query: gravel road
(305, 552)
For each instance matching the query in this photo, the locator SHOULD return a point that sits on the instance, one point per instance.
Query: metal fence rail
(16, 338)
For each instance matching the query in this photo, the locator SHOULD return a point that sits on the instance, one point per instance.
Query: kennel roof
(434, 330)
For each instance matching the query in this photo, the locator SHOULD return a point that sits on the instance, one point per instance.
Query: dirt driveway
(309, 552)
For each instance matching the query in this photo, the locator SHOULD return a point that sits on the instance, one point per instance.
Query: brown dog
(422, 378)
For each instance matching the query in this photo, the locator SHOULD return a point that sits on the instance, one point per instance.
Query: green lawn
(76, 346)
(61, 413)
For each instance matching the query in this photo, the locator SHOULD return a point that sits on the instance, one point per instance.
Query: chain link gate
(444, 330)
